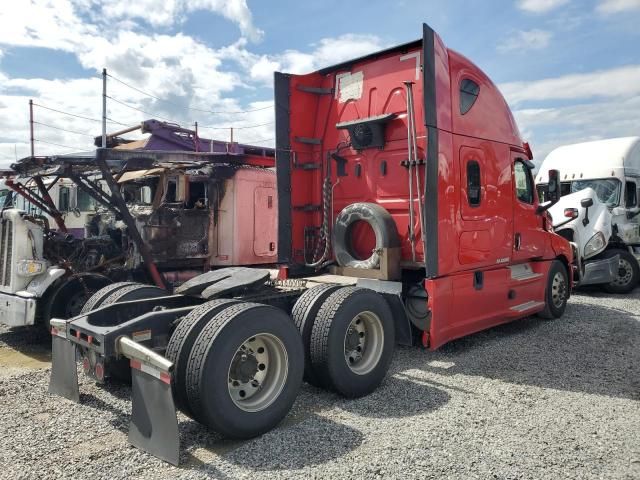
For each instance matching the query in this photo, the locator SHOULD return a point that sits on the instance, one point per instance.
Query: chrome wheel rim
(363, 343)
(625, 273)
(258, 372)
(558, 290)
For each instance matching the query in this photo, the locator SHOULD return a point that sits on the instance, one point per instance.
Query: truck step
(523, 307)
(523, 272)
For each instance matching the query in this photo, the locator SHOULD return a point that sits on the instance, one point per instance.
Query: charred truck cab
(407, 214)
(159, 217)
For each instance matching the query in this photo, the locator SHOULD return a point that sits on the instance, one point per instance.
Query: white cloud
(326, 52)
(590, 106)
(617, 82)
(540, 6)
(617, 6)
(525, 40)
(178, 68)
(169, 12)
(549, 128)
(40, 23)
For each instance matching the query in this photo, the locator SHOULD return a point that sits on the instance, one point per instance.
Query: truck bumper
(600, 271)
(17, 310)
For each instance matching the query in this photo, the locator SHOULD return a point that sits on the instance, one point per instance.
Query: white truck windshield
(607, 189)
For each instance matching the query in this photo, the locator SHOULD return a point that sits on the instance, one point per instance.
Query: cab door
(529, 236)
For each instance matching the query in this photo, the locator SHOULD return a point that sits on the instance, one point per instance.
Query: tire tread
(177, 341)
(98, 297)
(198, 355)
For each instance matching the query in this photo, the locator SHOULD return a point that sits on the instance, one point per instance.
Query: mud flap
(64, 371)
(154, 425)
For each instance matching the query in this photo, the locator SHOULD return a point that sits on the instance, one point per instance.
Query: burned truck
(160, 218)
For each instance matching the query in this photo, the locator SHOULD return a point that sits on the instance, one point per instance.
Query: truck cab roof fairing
(309, 106)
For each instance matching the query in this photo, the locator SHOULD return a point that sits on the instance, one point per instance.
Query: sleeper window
(474, 190)
(469, 91)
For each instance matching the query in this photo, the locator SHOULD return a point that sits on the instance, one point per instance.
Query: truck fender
(392, 293)
(39, 285)
(562, 249)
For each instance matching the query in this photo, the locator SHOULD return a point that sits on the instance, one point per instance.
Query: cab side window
(631, 195)
(523, 182)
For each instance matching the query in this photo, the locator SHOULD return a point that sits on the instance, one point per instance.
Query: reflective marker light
(29, 268)
(571, 212)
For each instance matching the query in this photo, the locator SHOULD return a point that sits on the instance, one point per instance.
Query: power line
(114, 121)
(124, 104)
(63, 129)
(188, 108)
(60, 145)
(257, 141)
(237, 128)
(75, 114)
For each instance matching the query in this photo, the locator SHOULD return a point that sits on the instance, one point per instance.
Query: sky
(569, 69)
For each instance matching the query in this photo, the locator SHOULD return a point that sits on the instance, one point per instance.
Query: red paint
(363, 240)
(86, 365)
(283, 272)
(100, 371)
(500, 232)
(165, 377)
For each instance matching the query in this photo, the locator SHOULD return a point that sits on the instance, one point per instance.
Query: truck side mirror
(553, 191)
(586, 202)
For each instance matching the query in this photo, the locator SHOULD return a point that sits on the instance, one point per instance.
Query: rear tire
(70, 297)
(628, 272)
(95, 301)
(304, 314)
(556, 293)
(245, 396)
(352, 341)
(181, 343)
(119, 370)
(136, 291)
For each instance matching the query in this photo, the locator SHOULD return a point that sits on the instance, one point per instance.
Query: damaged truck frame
(160, 217)
(407, 214)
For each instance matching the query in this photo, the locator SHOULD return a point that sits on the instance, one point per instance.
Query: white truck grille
(6, 252)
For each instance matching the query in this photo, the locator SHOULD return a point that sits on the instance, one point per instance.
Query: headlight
(30, 268)
(595, 245)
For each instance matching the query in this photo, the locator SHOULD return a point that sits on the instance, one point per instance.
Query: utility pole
(104, 108)
(197, 140)
(31, 127)
(231, 134)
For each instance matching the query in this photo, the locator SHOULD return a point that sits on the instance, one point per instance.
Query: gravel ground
(532, 399)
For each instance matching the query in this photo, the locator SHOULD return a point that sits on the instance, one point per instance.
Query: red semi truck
(407, 213)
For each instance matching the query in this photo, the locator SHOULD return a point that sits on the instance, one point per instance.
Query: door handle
(518, 242)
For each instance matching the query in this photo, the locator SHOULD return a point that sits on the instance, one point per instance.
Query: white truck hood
(599, 217)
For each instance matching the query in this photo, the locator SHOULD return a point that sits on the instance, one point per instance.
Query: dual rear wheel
(349, 338)
(238, 366)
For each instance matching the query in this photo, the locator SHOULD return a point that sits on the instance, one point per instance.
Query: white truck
(599, 212)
